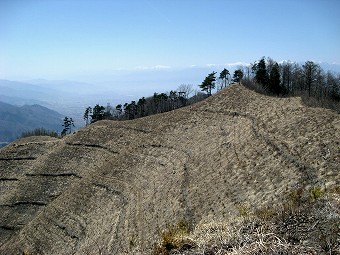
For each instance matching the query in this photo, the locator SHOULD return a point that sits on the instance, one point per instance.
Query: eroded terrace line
(18, 158)
(54, 175)
(90, 145)
(30, 203)
(8, 179)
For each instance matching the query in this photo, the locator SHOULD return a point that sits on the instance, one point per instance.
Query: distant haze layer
(71, 97)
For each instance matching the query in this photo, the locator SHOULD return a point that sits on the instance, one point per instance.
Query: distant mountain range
(66, 97)
(15, 120)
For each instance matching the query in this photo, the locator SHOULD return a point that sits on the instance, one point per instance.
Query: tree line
(67, 125)
(144, 106)
(39, 132)
(288, 78)
(266, 76)
(163, 102)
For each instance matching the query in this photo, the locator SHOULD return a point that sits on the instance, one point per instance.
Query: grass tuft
(243, 210)
(316, 192)
(174, 237)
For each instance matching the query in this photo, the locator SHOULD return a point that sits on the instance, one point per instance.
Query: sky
(79, 39)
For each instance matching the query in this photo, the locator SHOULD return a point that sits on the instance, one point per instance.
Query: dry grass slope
(246, 173)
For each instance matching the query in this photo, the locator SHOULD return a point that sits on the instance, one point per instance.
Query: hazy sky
(56, 39)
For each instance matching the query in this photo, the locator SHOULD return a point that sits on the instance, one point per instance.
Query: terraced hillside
(113, 187)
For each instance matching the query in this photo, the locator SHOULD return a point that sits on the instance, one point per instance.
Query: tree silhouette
(68, 123)
(238, 75)
(309, 72)
(274, 80)
(209, 83)
(119, 110)
(98, 113)
(224, 78)
(141, 107)
(173, 97)
(261, 75)
(88, 110)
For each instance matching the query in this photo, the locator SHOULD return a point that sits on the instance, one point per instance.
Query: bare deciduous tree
(186, 89)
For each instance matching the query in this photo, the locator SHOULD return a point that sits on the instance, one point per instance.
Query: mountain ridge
(15, 120)
(113, 186)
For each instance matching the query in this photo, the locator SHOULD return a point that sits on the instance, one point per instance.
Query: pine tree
(209, 83)
(224, 77)
(68, 123)
(119, 110)
(238, 75)
(86, 116)
(261, 75)
(141, 107)
(274, 85)
(98, 113)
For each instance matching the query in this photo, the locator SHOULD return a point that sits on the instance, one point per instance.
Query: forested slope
(15, 120)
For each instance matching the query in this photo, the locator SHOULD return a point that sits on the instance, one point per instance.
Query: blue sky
(63, 39)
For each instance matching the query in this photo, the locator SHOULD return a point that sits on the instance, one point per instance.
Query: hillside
(15, 120)
(113, 187)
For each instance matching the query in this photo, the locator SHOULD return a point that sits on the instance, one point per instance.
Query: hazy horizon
(124, 50)
(89, 40)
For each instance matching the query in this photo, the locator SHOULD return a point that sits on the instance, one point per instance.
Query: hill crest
(114, 185)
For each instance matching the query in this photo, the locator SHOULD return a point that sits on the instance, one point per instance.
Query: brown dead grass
(114, 187)
(308, 228)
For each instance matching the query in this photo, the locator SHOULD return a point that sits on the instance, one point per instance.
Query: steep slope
(112, 187)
